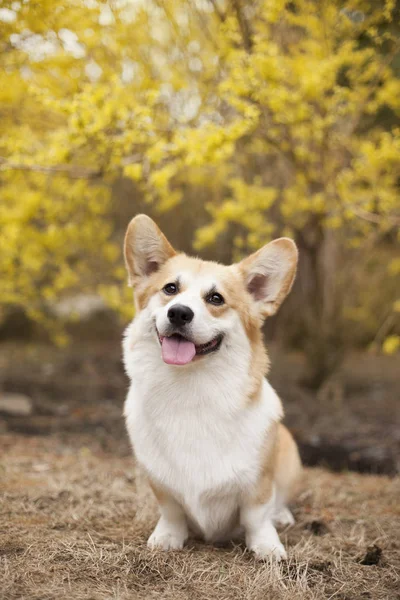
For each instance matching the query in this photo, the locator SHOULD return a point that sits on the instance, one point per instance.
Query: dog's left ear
(269, 274)
(146, 248)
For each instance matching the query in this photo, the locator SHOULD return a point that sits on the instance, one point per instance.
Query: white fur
(193, 430)
(171, 531)
(261, 535)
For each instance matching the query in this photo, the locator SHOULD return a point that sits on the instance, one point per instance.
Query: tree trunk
(320, 303)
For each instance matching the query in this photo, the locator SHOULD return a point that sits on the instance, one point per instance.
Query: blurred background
(230, 122)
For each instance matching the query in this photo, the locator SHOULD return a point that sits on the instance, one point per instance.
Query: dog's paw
(166, 540)
(284, 518)
(266, 550)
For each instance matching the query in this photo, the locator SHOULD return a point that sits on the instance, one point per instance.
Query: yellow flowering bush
(287, 112)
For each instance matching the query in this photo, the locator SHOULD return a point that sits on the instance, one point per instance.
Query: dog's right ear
(146, 248)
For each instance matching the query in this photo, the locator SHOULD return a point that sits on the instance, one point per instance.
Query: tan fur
(236, 295)
(288, 465)
(215, 310)
(166, 273)
(280, 465)
(259, 366)
(160, 493)
(144, 292)
(268, 466)
(281, 256)
(145, 248)
(155, 282)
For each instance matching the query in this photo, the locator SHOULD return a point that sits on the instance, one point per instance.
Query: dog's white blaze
(204, 326)
(190, 427)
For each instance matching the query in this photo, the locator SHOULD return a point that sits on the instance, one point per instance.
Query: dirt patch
(74, 519)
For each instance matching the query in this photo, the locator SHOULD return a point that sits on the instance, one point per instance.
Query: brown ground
(74, 515)
(74, 518)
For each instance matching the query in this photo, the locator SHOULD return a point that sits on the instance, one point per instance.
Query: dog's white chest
(195, 437)
(200, 460)
(192, 429)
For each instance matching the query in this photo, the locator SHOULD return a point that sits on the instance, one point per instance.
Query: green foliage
(273, 106)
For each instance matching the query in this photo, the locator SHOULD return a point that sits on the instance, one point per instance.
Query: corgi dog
(203, 421)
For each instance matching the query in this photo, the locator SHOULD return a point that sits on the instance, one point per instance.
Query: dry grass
(74, 521)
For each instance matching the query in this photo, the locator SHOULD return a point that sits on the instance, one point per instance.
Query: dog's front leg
(171, 531)
(261, 535)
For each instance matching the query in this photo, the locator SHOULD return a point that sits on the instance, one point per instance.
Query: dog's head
(195, 307)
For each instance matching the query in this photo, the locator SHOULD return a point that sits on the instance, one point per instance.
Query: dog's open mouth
(177, 350)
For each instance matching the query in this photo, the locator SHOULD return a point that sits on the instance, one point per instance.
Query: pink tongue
(177, 351)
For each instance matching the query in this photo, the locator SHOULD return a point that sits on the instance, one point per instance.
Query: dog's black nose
(180, 315)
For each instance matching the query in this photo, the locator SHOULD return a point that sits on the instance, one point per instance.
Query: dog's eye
(170, 289)
(216, 299)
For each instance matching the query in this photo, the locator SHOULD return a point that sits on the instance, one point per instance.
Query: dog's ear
(146, 248)
(269, 274)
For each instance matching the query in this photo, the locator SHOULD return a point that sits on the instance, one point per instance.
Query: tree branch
(244, 26)
(218, 11)
(374, 218)
(73, 171)
(70, 170)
